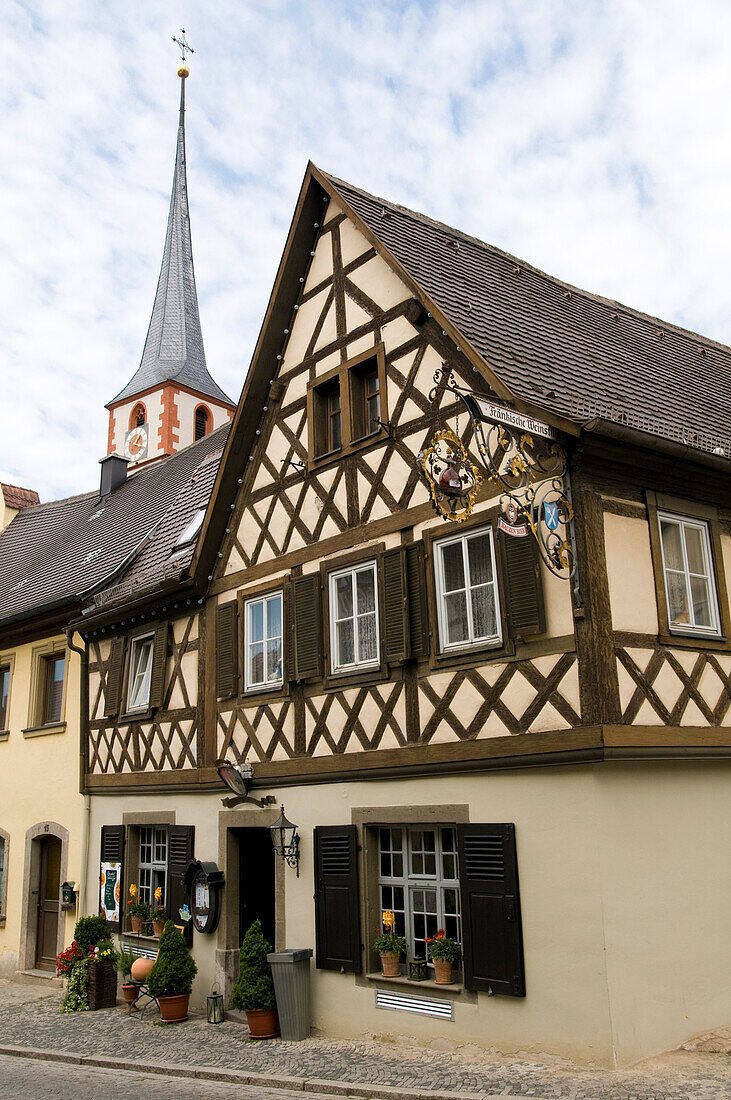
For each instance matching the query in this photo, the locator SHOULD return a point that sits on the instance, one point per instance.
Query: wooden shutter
(227, 650)
(112, 851)
(492, 941)
(396, 626)
(336, 899)
(159, 665)
(523, 587)
(416, 600)
(115, 670)
(181, 839)
(307, 627)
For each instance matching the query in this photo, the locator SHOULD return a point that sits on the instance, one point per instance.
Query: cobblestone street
(33, 1021)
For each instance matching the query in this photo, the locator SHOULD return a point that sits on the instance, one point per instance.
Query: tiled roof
(57, 553)
(15, 497)
(174, 346)
(569, 351)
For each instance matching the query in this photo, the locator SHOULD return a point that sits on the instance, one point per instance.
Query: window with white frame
(690, 586)
(354, 640)
(263, 641)
(153, 864)
(140, 672)
(468, 603)
(419, 882)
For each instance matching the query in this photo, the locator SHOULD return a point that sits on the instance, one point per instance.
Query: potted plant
(389, 946)
(88, 967)
(159, 914)
(123, 964)
(171, 978)
(139, 911)
(444, 952)
(102, 990)
(254, 990)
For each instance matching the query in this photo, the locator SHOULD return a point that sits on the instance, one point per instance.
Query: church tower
(171, 400)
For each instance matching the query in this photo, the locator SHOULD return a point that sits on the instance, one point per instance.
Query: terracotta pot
(131, 992)
(174, 1008)
(158, 927)
(141, 969)
(138, 925)
(442, 971)
(389, 965)
(263, 1022)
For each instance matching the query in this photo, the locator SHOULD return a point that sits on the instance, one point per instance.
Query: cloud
(588, 139)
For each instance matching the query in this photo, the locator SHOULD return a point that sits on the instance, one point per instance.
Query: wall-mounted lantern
(286, 841)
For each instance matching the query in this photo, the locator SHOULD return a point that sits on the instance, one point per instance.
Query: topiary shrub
(91, 931)
(254, 988)
(175, 968)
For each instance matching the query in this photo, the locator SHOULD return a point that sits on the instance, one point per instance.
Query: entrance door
(256, 881)
(49, 903)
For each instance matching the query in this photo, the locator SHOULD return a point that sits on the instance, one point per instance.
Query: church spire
(173, 349)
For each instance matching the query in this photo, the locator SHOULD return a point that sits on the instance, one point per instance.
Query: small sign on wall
(109, 880)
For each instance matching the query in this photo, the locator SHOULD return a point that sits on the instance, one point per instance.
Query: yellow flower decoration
(132, 890)
(158, 893)
(388, 919)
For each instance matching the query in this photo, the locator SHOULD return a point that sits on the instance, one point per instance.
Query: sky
(589, 139)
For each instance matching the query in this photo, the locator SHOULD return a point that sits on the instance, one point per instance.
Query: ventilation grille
(422, 1006)
(335, 855)
(484, 857)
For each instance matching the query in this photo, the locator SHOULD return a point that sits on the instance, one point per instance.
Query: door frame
(31, 887)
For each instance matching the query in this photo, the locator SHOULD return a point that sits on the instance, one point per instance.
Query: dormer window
(202, 422)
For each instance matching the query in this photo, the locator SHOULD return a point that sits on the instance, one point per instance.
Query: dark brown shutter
(523, 587)
(416, 600)
(181, 839)
(396, 626)
(307, 627)
(115, 669)
(159, 665)
(492, 941)
(227, 650)
(112, 851)
(336, 899)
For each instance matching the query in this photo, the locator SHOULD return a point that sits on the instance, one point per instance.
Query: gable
(351, 302)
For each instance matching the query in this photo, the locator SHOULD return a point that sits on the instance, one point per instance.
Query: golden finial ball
(183, 71)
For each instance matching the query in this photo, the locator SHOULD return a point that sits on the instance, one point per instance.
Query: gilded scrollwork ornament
(452, 477)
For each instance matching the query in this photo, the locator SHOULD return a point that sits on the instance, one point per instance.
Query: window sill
(455, 988)
(42, 731)
(140, 936)
(695, 641)
(4, 734)
(136, 715)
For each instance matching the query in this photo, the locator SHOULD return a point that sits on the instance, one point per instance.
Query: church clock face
(135, 443)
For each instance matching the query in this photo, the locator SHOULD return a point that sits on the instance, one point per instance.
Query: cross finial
(183, 45)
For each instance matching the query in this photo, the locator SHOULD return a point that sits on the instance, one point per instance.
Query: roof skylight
(191, 530)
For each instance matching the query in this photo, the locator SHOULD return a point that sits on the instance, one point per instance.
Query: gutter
(637, 438)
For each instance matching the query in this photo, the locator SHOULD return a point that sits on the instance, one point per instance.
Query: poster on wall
(109, 888)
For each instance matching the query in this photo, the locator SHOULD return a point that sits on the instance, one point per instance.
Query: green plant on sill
(388, 943)
(444, 948)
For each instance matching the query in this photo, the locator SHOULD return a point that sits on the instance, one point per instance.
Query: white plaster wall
(153, 405)
(629, 570)
(186, 404)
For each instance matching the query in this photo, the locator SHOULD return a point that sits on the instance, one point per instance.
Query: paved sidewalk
(30, 1019)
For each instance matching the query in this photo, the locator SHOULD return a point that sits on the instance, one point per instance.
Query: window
(354, 641)
(4, 695)
(263, 641)
(202, 422)
(140, 672)
(138, 416)
(419, 881)
(153, 866)
(347, 406)
(52, 670)
(191, 530)
(467, 594)
(690, 588)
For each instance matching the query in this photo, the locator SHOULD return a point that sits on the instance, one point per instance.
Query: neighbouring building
(459, 599)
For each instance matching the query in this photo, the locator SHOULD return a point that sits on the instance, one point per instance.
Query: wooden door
(49, 903)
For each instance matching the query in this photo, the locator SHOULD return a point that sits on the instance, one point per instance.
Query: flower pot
(138, 925)
(442, 971)
(389, 965)
(102, 992)
(131, 992)
(158, 927)
(263, 1022)
(174, 1009)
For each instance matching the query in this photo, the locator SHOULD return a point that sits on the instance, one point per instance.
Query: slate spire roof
(174, 346)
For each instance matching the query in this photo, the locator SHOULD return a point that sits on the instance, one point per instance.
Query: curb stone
(273, 1081)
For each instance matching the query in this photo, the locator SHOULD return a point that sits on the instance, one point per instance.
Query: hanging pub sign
(203, 882)
(109, 886)
(523, 458)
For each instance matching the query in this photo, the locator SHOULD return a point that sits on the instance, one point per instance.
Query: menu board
(110, 879)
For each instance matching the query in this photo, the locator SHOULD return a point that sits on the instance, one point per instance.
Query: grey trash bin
(291, 973)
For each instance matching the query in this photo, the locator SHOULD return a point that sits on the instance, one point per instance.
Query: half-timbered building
(488, 710)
